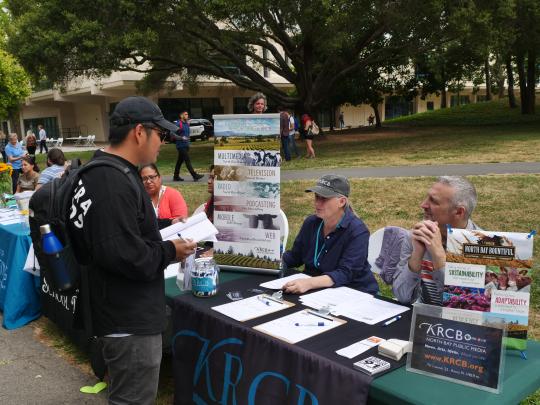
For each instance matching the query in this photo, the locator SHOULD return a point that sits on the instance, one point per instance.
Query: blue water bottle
(52, 248)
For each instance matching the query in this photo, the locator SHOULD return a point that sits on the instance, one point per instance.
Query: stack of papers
(345, 301)
(197, 228)
(10, 216)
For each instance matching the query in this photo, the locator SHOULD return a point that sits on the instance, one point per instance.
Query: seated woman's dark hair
(31, 161)
(151, 166)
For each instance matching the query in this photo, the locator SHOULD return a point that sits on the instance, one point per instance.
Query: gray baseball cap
(331, 185)
(138, 110)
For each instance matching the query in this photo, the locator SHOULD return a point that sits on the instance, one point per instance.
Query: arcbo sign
(458, 351)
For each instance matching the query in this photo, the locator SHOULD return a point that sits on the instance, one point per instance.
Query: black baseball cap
(138, 110)
(331, 185)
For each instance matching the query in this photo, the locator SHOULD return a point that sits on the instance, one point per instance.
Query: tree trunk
(523, 93)
(15, 119)
(510, 80)
(375, 107)
(443, 97)
(531, 81)
(487, 73)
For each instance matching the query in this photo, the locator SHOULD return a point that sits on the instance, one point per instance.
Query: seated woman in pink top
(168, 203)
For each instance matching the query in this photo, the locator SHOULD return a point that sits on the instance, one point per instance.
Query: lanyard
(156, 206)
(317, 253)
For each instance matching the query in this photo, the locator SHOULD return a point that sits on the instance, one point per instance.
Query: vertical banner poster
(489, 273)
(247, 190)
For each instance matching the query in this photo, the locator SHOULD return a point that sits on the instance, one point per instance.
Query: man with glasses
(182, 146)
(115, 234)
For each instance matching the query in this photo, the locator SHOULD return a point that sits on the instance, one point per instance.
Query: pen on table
(309, 324)
(265, 300)
(392, 320)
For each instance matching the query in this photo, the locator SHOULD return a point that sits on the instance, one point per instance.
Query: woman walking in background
(307, 120)
(31, 142)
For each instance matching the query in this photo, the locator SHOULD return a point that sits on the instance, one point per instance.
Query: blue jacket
(343, 253)
(182, 135)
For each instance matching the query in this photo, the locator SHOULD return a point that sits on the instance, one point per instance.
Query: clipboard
(252, 307)
(299, 326)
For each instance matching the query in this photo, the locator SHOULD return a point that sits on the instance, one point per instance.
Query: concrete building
(83, 107)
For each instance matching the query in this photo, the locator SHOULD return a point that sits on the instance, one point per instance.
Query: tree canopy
(315, 44)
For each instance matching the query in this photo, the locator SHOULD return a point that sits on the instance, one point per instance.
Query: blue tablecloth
(19, 290)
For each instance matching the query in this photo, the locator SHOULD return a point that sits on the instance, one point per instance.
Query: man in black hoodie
(114, 231)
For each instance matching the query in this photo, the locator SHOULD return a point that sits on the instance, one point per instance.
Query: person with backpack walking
(182, 146)
(293, 129)
(114, 232)
(308, 124)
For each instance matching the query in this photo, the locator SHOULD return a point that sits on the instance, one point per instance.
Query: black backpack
(50, 205)
(69, 310)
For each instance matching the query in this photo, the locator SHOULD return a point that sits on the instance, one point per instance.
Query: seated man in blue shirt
(55, 167)
(332, 244)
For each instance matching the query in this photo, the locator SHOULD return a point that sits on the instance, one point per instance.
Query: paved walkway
(33, 373)
(404, 171)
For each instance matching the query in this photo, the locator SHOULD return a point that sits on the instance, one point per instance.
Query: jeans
(15, 179)
(183, 156)
(285, 144)
(133, 364)
(293, 145)
(43, 144)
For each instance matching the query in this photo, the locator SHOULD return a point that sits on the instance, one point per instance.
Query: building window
(196, 107)
(396, 106)
(430, 106)
(266, 71)
(462, 100)
(480, 98)
(49, 123)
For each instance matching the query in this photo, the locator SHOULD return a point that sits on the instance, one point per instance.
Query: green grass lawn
(478, 114)
(475, 133)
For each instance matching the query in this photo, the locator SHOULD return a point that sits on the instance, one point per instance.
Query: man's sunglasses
(163, 133)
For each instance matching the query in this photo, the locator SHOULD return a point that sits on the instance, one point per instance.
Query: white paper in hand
(278, 283)
(197, 228)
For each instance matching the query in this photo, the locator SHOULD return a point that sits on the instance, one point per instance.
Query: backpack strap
(111, 162)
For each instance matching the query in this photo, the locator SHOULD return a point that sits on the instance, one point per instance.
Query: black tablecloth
(219, 359)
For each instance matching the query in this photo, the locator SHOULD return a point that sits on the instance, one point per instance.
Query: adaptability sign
(461, 351)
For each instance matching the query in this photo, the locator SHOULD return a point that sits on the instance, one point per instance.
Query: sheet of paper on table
(252, 307)
(10, 216)
(345, 301)
(299, 326)
(360, 347)
(277, 284)
(197, 227)
(11, 220)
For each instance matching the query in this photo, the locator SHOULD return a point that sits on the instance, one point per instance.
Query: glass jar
(205, 277)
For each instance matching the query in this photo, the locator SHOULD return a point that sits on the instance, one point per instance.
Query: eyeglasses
(162, 133)
(149, 178)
